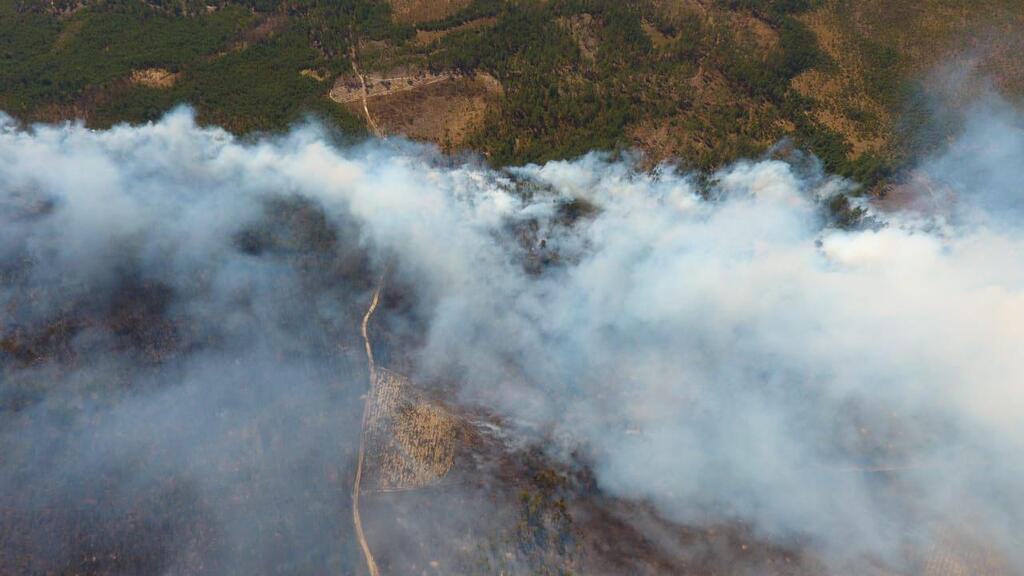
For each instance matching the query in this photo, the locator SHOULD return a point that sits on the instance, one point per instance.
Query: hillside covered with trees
(698, 82)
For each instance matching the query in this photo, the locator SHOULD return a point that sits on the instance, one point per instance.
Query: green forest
(697, 88)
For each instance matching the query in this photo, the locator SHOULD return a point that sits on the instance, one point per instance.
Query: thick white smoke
(719, 350)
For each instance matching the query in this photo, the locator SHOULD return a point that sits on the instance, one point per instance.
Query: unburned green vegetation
(697, 82)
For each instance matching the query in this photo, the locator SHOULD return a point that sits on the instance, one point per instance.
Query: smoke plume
(716, 347)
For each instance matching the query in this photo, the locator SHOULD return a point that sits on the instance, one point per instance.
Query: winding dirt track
(366, 108)
(371, 564)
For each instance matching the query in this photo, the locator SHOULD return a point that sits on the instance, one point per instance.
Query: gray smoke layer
(718, 350)
(177, 393)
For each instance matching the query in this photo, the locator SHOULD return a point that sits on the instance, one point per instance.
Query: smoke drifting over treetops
(718, 349)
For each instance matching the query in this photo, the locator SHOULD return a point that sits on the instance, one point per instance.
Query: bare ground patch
(446, 113)
(317, 75)
(444, 107)
(154, 77)
(349, 89)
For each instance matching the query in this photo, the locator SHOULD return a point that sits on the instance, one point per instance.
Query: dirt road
(371, 123)
(371, 564)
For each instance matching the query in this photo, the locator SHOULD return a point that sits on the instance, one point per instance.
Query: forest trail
(371, 564)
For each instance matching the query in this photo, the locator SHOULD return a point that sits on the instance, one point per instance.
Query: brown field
(154, 77)
(349, 89)
(444, 108)
(410, 441)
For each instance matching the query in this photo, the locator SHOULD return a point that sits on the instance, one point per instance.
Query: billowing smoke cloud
(180, 370)
(716, 348)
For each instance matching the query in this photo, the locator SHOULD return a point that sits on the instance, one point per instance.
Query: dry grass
(264, 28)
(427, 37)
(658, 40)
(314, 74)
(410, 441)
(445, 112)
(154, 78)
(842, 91)
(986, 31)
(584, 30)
(675, 11)
(349, 88)
(55, 112)
(753, 31)
(689, 134)
(415, 11)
